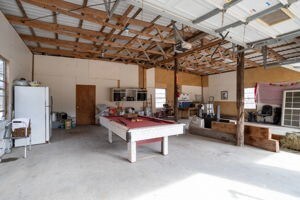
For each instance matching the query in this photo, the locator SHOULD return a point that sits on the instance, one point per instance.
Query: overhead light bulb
(126, 30)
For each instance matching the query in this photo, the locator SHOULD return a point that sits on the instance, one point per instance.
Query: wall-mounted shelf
(128, 94)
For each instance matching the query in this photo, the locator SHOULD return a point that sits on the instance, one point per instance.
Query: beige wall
(161, 78)
(227, 81)
(62, 74)
(18, 56)
(165, 79)
(222, 82)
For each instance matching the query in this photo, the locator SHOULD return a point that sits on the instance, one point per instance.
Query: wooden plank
(258, 132)
(83, 46)
(253, 131)
(108, 37)
(20, 5)
(91, 16)
(229, 128)
(255, 136)
(81, 21)
(206, 132)
(77, 54)
(270, 144)
(68, 30)
(277, 137)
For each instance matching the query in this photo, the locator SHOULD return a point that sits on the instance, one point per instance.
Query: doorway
(85, 104)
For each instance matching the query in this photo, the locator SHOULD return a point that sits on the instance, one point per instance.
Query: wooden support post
(32, 68)
(202, 96)
(175, 88)
(240, 96)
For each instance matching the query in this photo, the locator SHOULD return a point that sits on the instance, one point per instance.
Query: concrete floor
(81, 164)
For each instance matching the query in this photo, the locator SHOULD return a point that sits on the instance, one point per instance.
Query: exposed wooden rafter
(131, 39)
(92, 15)
(19, 3)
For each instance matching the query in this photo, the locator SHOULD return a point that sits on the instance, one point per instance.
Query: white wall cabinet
(128, 94)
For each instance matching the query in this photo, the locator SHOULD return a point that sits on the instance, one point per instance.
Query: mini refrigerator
(34, 103)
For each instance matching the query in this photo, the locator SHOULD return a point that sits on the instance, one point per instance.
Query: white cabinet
(291, 108)
(128, 94)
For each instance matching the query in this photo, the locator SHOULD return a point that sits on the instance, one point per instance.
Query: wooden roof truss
(130, 40)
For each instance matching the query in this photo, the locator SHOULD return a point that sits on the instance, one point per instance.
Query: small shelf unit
(128, 94)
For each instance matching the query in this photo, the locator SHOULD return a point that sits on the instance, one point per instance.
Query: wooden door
(85, 104)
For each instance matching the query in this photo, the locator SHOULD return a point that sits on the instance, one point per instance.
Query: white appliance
(34, 103)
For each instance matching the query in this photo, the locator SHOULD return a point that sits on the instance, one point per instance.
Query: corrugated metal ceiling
(188, 10)
(184, 12)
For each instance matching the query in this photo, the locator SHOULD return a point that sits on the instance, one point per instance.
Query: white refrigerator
(34, 103)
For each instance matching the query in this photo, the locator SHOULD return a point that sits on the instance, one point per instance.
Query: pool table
(145, 130)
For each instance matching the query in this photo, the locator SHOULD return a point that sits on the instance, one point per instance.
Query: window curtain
(272, 93)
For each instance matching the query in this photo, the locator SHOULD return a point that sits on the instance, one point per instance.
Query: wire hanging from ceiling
(222, 19)
(142, 10)
(244, 32)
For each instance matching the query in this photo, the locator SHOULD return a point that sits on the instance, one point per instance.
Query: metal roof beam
(207, 16)
(215, 11)
(285, 62)
(224, 28)
(269, 41)
(255, 16)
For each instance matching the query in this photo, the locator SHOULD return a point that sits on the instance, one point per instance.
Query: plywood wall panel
(189, 79)
(204, 81)
(271, 75)
(165, 79)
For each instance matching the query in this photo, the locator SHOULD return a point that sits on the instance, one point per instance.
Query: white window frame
(3, 91)
(252, 105)
(156, 98)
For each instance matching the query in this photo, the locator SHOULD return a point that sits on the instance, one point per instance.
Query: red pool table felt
(146, 121)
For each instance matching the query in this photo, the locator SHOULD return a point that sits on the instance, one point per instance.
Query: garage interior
(140, 99)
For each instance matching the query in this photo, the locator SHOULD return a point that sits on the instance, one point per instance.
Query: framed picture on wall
(224, 95)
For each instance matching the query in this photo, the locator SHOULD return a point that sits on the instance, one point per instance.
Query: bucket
(73, 124)
(68, 124)
(54, 117)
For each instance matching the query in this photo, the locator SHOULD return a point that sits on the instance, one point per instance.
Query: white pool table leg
(131, 148)
(109, 136)
(164, 146)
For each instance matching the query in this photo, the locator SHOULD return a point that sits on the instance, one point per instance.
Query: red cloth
(147, 121)
(270, 93)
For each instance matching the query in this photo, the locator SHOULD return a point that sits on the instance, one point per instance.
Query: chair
(266, 111)
(22, 130)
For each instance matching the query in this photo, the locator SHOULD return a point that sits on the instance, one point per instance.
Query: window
(160, 97)
(250, 98)
(2, 89)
